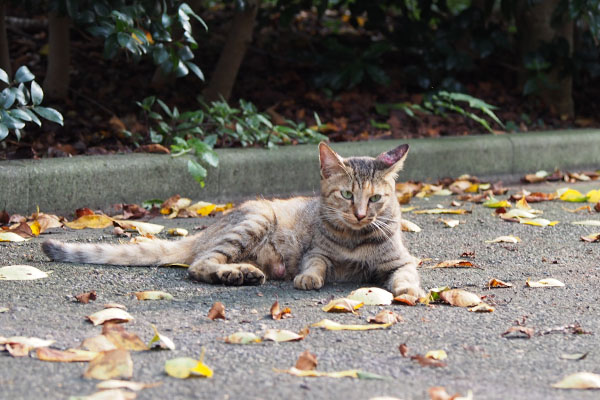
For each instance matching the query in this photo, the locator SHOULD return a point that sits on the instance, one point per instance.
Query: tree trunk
(56, 83)
(534, 27)
(4, 54)
(239, 37)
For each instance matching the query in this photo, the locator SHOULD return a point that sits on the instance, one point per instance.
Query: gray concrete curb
(64, 184)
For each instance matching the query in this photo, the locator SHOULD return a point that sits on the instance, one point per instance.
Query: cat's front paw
(413, 290)
(308, 282)
(252, 275)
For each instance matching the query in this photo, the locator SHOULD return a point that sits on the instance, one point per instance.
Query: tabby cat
(351, 232)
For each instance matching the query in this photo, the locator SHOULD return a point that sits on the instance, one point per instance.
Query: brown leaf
(594, 237)
(455, 264)
(460, 298)
(277, 313)
(385, 317)
(407, 299)
(80, 212)
(86, 297)
(71, 355)
(110, 365)
(307, 361)
(403, 350)
(98, 343)
(428, 362)
(529, 332)
(217, 311)
(23, 230)
(153, 148)
(117, 335)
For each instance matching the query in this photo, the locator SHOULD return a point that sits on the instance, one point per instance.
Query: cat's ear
(331, 163)
(394, 159)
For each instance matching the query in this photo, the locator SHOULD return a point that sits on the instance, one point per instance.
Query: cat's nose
(360, 216)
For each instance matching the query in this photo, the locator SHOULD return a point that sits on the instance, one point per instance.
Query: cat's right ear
(331, 163)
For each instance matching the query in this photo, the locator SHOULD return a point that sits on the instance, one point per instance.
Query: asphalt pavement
(479, 358)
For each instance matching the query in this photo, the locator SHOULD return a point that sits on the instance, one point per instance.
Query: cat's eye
(375, 198)
(346, 194)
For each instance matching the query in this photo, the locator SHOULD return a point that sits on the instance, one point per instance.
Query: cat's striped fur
(350, 232)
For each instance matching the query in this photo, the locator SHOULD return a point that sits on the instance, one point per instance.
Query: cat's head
(356, 191)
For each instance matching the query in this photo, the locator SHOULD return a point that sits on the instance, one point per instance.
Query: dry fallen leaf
(572, 195)
(460, 298)
(129, 385)
(407, 299)
(11, 237)
(428, 362)
(20, 346)
(342, 305)
(111, 394)
(86, 297)
(497, 283)
(505, 239)
(519, 329)
(110, 364)
(548, 282)
(334, 326)
(439, 393)
(143, 228)
(109, 315)
(494, 203)
(372, 296)
(153, 295)
(164, 341)
(579, 380)
(71, 355)
(94, 221)
(242, 338)
(281, 335)
(538, 222)
(117, 335)
(594, 237)
(178, 232)
(403, 350)
(450, 223)
(21, 273)
(307, 361)
(217, 311)
(442, 211)
(277, 313)
(98, 343)
(482, 307)
(454, 264)
(575, 356)
(436, 354)
(588, 222)
(385, 317)
(408, 226)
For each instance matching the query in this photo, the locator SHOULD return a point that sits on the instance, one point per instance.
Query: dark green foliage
(198, 131)
(20, 103)
(161, 30)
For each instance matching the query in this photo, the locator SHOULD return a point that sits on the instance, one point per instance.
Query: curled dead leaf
(385, 317)
(460, 298)
(217, 311)
(86, 297)
(307, 361)
(342, 305)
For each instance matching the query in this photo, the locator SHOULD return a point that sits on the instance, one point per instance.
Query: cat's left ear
(394, 159)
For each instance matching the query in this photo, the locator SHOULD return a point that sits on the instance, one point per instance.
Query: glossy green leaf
(23, 74)
(7, 98)
(10, 122)
(37, 94)
(3, 131)
(195, 69)
(49, 113)
(197, 171)
(4, 76)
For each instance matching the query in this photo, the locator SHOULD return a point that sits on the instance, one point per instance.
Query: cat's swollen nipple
(278, 270)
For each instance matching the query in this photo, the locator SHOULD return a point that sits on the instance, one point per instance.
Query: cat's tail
(155, 252)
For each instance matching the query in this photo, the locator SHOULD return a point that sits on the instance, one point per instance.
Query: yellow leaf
(334, 326)
(352, 373)
(548, 282)
(342, 305)
(493, 203)
(441, 211)
(588, 222)
(538, 222)
(35, 227)
(202, 208)
(184, 367)
(436, 354)
(454, 264)
(572, 195)
(579, 380)
(153, 295)
(497, 283)
(522, 204)
(11, 237)
(372, 296)
(242, 338)
(593, 196)
(21, 273)
(95, 221)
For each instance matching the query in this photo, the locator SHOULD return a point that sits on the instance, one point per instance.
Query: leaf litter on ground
(21, 273)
